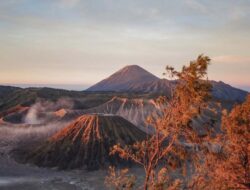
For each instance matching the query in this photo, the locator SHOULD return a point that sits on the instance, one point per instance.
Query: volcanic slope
(125, 79)
(86, 143)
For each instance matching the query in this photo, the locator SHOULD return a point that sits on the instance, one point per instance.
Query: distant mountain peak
(132, 67)
(135, 69)
(125, 78)
(133, 78)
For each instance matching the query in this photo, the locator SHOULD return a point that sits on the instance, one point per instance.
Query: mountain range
(133, 78)
(113, 111)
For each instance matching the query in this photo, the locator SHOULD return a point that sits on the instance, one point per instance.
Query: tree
(120, 179)
(164, 150)
(230, 167)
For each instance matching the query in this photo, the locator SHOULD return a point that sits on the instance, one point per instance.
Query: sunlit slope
(86, 143)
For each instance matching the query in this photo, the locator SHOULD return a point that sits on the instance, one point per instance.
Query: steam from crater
(31, 117)
(34, 115)
(14, 136)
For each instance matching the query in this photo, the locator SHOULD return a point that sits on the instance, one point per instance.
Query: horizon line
(83, 87)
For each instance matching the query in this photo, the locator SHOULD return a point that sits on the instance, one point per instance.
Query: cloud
(197, 6)
(81, 41)
(232, 59)
(68, 3)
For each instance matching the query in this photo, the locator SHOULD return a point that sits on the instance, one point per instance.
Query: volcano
(133, 78)
(86, 143)
(125, 79)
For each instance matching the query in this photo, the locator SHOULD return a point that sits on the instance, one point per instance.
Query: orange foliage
(188, 100)
(230, 167)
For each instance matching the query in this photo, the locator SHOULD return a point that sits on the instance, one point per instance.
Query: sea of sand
(16, 176)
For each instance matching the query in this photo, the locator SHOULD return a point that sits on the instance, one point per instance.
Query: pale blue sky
(79, 42)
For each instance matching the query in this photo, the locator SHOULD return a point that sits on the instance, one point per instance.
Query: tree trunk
(146, 182)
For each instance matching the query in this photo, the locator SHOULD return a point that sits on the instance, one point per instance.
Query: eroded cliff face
(134, 110)
(86, 143)
(138, 110)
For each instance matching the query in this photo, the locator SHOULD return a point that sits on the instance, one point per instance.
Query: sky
(75, 43)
